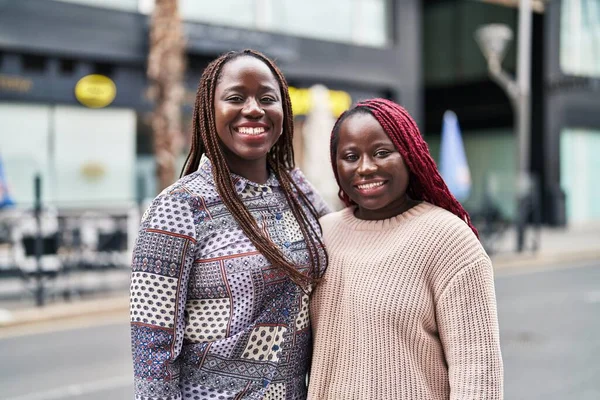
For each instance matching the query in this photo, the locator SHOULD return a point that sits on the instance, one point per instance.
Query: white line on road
(73, 390)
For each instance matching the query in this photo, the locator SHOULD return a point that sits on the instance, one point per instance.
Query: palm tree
(166, 69)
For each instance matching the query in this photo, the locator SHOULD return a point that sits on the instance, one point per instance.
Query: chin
(369, 205)
(253, 155)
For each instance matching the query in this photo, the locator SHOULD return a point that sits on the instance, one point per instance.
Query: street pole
(523, 118)
(39, 241)
(493, 39)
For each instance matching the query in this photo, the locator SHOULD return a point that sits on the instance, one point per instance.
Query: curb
(54, 312)
(531, 260)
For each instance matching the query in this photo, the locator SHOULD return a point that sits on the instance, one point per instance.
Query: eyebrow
(240, 88)
(374, 144)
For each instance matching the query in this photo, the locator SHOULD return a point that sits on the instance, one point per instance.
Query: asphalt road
(549, 320)
(550, 333)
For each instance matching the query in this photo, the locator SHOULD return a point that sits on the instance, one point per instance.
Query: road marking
(69, 391)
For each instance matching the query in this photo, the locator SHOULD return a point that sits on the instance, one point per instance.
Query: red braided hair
(425, 182)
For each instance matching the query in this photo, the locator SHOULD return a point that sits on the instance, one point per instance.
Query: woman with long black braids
(227, 256)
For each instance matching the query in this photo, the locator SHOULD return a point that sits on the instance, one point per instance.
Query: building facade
(565, 129)
(98, 156)
(420, 53)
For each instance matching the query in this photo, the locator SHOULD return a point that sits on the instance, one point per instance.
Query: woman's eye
(382, 153)
(235, 98)
(268, 100)
(350, 157)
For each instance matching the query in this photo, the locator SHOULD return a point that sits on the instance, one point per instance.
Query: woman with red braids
(407, 308)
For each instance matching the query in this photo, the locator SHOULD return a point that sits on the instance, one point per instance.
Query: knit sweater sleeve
(468, 328)
(162, 259)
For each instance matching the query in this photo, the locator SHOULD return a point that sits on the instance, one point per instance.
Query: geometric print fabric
(153, 300)
(223, 322)
(207, 319)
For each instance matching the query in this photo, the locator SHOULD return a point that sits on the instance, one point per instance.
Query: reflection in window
(580, 37)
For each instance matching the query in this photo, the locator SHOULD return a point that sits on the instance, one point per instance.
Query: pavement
(106, 292)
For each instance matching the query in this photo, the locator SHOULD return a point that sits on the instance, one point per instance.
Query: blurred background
(96, 100)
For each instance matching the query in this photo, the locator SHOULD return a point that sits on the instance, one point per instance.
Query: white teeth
(251, 131)
(370, 185)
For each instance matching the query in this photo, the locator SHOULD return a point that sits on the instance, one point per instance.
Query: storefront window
(85, 157)
(24, 150)
(580, 37)
(579, 170)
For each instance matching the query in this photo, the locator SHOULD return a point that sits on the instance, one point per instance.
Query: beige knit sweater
(407, 310)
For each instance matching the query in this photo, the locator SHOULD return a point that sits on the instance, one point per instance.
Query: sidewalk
(106, 292)
(575, 244)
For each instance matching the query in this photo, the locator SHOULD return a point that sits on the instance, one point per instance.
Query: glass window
(94, 155)
(24, 146)
(579, 170)
(323, 19)
(125, 5)
(371, 28)
(222, 12)
(580, 37)
(363, 22)
(450, 52)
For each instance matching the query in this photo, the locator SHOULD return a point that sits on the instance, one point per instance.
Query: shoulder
(309, 190)
(449, 240)
(300, 179)
(174, 209)
(441, 224)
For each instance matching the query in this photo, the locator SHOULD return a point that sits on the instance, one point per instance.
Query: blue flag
(453, 161)
(5, 199)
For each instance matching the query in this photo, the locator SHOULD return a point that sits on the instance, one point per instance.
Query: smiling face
(370, 169)
(248, 113)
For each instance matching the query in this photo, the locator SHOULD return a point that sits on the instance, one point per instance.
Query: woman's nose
(366, 166)
(252, 108)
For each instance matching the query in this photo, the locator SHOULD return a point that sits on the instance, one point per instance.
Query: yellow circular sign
(95, 91)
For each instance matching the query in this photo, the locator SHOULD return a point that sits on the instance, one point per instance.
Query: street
(549, 322)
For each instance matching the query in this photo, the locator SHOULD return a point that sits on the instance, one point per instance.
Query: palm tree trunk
(166, 69)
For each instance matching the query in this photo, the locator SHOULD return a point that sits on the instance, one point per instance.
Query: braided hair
(425, 182)
(280, 160)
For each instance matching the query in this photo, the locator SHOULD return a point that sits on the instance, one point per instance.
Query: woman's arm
(162, 259)
(468, 327)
